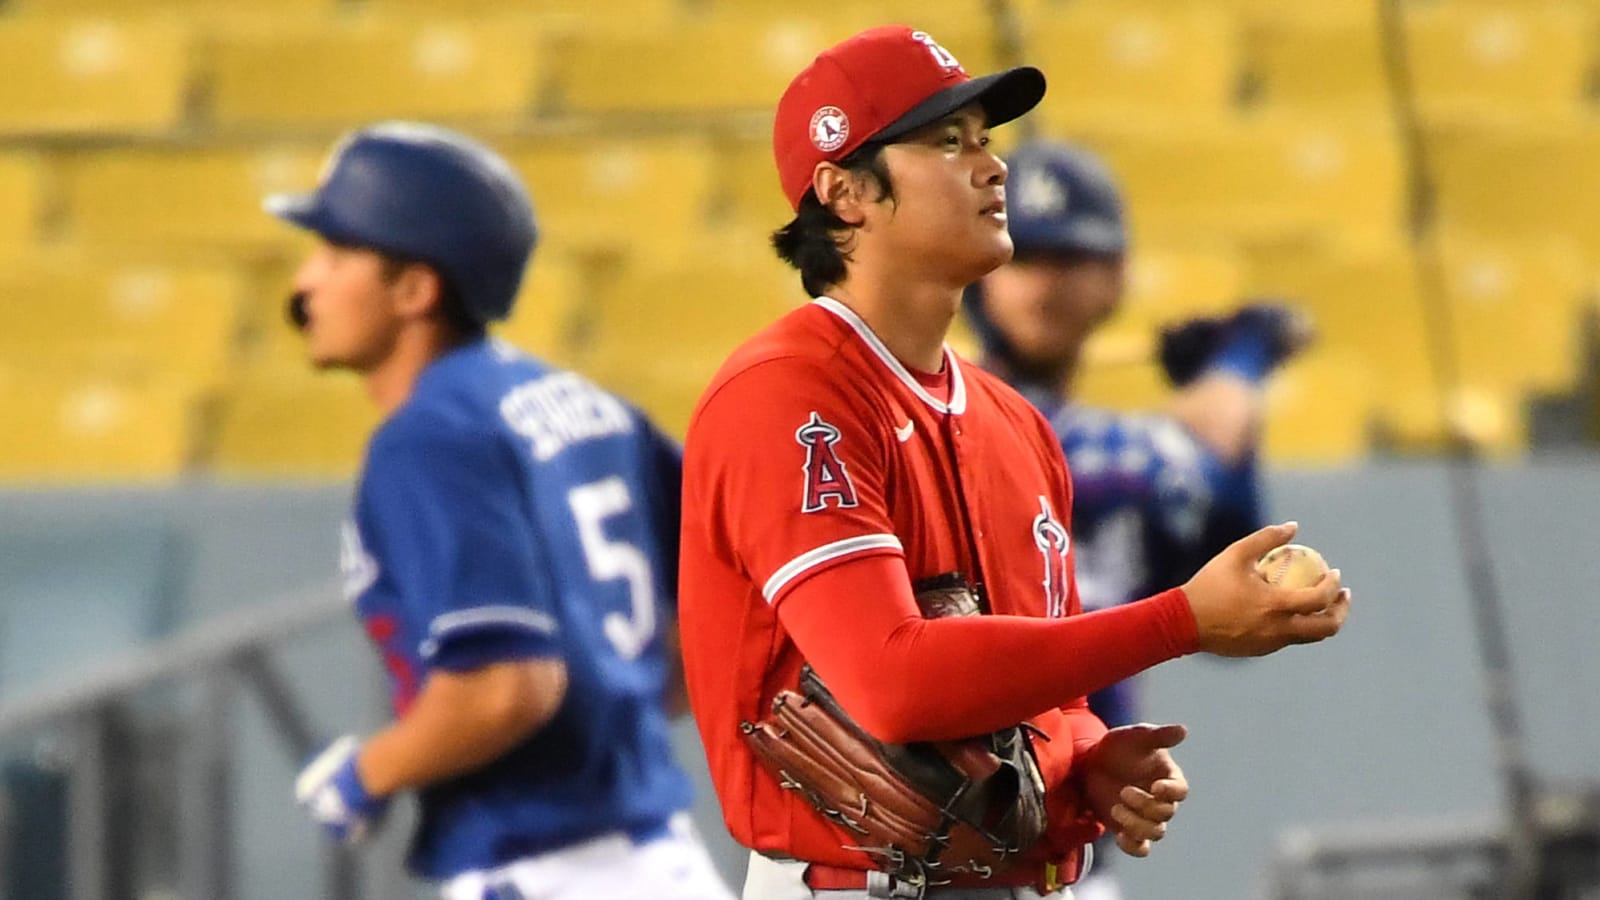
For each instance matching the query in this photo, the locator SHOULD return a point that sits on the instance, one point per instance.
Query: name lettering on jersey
(825, 473)
(557, 411)
(1053, 542)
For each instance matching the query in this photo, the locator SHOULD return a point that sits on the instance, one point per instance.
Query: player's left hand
(331, 791)
(1133, 784)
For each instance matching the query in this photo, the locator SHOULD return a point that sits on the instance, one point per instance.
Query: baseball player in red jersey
(845, 454)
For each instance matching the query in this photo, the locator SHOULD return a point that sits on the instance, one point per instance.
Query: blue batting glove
(331, 791)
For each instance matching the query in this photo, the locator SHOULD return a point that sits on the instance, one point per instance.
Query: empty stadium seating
(1254, 140)
(1366, 302)
(719, 64)
(1518, 178)
(1265, 178)
(644, 195)
(289, 422)
(182, 200)
(336, 74)
(89, 76)
(72, 316)
(1107, 63)
(1514, 310)
(1527, 57)
(21, 202)
(63, 427)
(661, 331)
(1319, 409)
(1324, 63)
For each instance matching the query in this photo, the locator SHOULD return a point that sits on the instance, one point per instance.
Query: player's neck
(390, 382)
(911, 321)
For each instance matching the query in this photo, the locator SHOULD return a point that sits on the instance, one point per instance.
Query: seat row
(536, 65)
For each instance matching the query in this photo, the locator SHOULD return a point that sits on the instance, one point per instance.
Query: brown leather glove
(925, 810)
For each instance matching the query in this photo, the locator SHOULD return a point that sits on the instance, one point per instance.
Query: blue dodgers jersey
(511, 509)
(1150, 505)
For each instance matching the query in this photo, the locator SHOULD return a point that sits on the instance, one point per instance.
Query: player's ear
(418, 290)
(839, 190)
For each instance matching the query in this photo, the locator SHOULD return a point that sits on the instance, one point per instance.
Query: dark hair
(454, 312)
(816, 241)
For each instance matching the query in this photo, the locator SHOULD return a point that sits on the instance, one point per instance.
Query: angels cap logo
(830, 128)
(825, 473)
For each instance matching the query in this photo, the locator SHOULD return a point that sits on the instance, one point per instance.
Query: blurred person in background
(1154, 495)
(512, 552)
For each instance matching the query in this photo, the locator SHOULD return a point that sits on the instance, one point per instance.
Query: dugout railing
(74, 805)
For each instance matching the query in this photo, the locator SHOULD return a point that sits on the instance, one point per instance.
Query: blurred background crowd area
(1259, 143)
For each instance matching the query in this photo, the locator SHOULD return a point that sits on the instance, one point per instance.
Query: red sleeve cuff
(1175, 619)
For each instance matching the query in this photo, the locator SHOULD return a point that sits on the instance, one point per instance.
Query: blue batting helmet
(426, 193)
(1059, 199)
(1062, 198)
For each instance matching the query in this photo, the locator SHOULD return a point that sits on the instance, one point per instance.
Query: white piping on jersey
(826, 553)
(529, 619)
(958, 387)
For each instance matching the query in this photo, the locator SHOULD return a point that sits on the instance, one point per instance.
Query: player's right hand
(331, 791)
(1237, 613)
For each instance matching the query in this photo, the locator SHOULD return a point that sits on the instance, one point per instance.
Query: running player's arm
(461, 721)
(449, 529)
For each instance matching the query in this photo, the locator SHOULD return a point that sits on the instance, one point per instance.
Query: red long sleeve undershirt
(905, 678)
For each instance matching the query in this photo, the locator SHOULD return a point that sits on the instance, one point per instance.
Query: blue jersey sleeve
(445, 519)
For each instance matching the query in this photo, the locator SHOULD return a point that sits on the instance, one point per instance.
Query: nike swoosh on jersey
(903, 433)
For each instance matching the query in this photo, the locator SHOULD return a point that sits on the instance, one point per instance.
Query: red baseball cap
(877, 86)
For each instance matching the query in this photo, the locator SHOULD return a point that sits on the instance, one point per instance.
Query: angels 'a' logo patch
(830, 128)
(1053, 542)
(824, 472)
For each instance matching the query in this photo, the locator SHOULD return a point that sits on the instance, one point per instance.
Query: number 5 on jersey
(592, 504)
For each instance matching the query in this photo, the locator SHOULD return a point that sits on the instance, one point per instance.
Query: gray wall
(1384, 722)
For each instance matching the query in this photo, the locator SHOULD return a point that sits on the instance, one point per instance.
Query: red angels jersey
(812, 446)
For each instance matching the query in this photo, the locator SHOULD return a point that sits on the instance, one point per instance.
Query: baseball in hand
(1292, 566)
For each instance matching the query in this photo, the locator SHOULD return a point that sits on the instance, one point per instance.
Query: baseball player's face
(948, 212)
(350, 317)
(1047, 306)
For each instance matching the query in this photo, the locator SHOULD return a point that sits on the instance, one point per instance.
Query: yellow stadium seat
(1135, 386)
(92, 76)
(586, 12)
(1519, 57)
(71, 315)
(746, 192)
(1366, 302)
(291, 422)
(1105, 63)
(1322, 63)
(661, 332)
(346, 73)
(21, 202)
(1231, 8)
(716, 64)
(645, 195)
(551, 312)
(63, 429)
(1165, 285)
(1268, 178)
(187, 10)
(1519, 180)
(183, 199)
(1514, 308)
(1319, 409)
